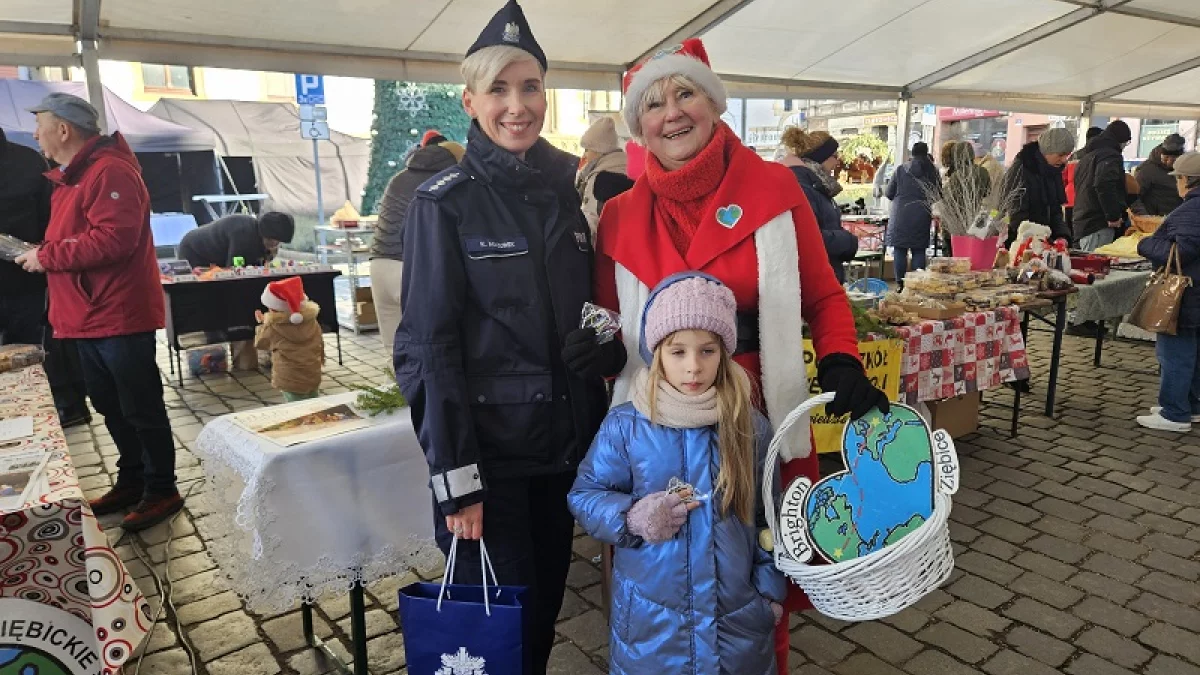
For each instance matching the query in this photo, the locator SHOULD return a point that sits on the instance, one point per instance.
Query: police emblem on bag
(461, 663)
(512, 33)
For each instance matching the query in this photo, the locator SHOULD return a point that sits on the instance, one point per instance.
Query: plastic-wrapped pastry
(950, 265)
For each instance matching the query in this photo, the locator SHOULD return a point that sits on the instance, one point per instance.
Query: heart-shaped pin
(894, 467)
(728, 216)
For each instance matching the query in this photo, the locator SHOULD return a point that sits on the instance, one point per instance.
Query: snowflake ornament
(461, 663)
(412, 99)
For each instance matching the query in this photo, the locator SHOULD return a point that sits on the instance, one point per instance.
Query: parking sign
(310, 89)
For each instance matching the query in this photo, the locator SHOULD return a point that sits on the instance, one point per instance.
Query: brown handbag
(1157, 310)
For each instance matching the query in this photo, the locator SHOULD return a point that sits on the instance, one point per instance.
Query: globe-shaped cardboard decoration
(894, 468)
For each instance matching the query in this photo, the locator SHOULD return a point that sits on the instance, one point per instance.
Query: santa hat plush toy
(285, 296)
(688, 59)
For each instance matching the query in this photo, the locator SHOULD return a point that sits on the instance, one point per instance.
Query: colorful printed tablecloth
(67, 603)
(970, 353)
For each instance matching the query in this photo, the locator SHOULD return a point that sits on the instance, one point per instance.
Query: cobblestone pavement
(1077, 548)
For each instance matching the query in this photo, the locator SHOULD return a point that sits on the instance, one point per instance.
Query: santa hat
(688, 59)
(285, 296)
(433, 136)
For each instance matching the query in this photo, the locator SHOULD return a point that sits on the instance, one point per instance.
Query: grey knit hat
(1173, 145)
(1056, 141)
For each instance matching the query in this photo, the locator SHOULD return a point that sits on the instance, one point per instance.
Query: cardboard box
(952, 310)
(366, 312)
(959, 416)
(362, 294)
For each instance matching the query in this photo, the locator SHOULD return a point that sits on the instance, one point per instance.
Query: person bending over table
(254, 240)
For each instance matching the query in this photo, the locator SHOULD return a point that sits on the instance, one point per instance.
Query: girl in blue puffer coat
(693, 591)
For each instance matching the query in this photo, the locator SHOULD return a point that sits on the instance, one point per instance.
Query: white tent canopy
(1116, 57)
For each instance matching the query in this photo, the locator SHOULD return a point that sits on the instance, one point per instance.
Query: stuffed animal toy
(1032, 239)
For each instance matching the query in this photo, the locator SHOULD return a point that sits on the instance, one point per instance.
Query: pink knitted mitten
(657, 516)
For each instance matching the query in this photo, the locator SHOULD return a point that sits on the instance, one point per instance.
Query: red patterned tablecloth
(65, 595)
(970, 353)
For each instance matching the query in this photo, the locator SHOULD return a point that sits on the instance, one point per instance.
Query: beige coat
(585, 182)
(297, 349)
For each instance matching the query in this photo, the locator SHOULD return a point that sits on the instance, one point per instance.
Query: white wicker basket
(876, 585)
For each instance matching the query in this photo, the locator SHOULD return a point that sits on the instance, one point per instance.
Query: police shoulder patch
(443, 182)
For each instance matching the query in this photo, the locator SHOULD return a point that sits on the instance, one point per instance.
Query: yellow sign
(882, 361)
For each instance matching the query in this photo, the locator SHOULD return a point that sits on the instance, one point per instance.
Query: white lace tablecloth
(317, 517)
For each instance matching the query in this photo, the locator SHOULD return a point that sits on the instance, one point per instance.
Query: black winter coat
(1182, 227)
(1099, 186)
(840, 245)
(1041, 193)
(420, 167)
(24, 210)
(499, 264)
(1159, 194)
(222, 240)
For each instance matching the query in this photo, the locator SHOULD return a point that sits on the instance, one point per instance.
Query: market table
(973, 352)
(871, 232)
(65, 595)
(966, 354)
(222, 310)
(320, 517)
(1056, 303)
(1109, 299)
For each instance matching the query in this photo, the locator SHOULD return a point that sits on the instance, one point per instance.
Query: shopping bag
(459, 629)
(1157, 309)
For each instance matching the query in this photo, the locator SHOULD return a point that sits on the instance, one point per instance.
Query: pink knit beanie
(688, 301)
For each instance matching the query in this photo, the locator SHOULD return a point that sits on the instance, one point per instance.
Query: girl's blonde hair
(737, 479)
(481, 69)
(800, 142)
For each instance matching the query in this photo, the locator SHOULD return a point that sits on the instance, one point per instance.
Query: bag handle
(773, 454)
(1174, 255)
(485, 564)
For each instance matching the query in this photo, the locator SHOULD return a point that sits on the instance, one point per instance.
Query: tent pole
(900, 147)
(1085, 121)
(95, 88)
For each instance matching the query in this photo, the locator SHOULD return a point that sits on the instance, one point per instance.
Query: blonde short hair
(656, 93)
(480, 70)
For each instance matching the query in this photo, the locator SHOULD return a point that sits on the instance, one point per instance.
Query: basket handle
(773, 454)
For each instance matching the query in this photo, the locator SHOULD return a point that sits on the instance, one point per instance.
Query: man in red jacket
(105, 294)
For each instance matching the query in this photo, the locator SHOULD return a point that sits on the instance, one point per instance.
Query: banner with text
(882, 361)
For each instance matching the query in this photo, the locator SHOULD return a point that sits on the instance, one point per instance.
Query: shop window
(1152, 133)
(173, 79)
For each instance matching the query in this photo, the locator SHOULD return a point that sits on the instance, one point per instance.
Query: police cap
(509, 27)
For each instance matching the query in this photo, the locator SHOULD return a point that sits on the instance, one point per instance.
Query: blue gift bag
(456, 629)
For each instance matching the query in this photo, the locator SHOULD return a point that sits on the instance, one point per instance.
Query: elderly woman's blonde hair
(657, 93)
(481, 69)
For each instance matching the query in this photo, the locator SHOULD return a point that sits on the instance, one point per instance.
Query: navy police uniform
(497, 268)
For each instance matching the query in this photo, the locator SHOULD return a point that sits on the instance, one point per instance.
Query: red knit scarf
(685, 195)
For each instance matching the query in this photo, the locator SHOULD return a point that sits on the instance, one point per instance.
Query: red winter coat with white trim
(99, 252)
(630, 234)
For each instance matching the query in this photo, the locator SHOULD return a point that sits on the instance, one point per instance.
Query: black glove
(587, 359)
(853, 391)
